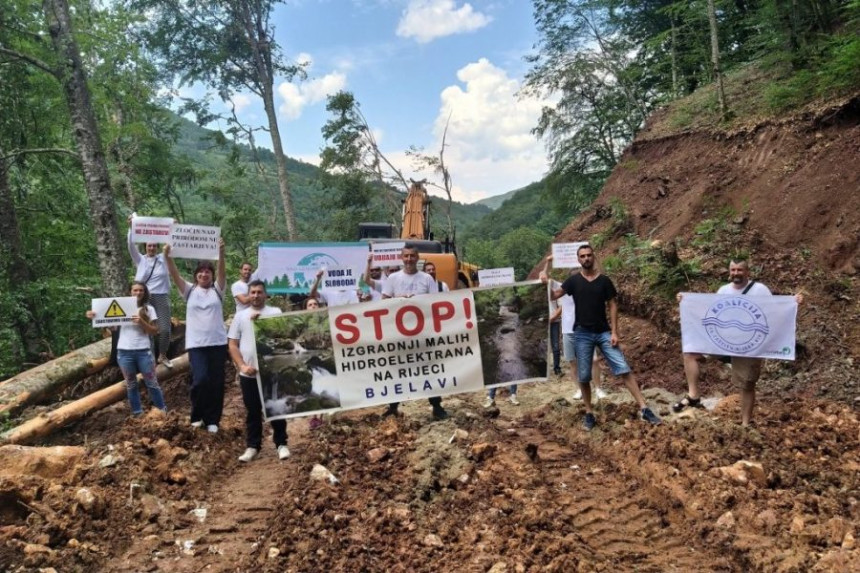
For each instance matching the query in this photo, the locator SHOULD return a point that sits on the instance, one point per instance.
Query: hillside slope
(784, 193)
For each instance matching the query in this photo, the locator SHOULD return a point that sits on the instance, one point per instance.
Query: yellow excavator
(415, 232)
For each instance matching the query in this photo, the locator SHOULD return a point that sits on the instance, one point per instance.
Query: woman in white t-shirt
(205, 337)
(134, 352)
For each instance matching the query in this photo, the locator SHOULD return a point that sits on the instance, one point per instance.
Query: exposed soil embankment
(786, 195)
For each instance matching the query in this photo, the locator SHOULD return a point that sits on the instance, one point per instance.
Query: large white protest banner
(387, 254)
(496, 277)
(194, 242)
(290, 268)
(400, 349)
(151, 229)
(406, 348)
(564, 255)
(113, 311)
(751, 326)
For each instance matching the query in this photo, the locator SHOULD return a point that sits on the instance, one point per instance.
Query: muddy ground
(517, 488)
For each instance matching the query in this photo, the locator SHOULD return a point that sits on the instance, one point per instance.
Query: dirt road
(523, 488)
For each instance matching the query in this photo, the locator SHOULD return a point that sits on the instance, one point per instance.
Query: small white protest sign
(496, 277)
(151, 229)
(114, 311)
(338, 278)
(564, 255)
(386, 254)
(194, 242)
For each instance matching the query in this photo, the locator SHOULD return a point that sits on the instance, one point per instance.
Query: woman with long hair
(134, 352)
(205, 337)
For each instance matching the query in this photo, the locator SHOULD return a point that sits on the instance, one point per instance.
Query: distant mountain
(526, 207)
(318, 213)
(496, 201)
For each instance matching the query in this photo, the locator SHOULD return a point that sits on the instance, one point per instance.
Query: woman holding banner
(205, 337)
(151, 270)
(134, 354)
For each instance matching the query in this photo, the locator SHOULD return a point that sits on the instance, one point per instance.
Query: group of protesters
(587, 295)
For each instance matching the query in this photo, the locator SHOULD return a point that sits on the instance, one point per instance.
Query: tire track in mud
(238, 508)
(615, 519)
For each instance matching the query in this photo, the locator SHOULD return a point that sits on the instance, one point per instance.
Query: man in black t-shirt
(592, 292)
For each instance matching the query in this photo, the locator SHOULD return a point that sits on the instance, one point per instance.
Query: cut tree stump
(45, 424)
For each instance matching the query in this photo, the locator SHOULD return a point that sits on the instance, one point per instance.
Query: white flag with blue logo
(732, 325)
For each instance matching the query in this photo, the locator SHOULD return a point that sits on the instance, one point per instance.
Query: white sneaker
(599, 392)
(249, 455)
(197, 424)
(212, 429)
(513, 400)
(578, 395)
(283, 452)
(489, 402)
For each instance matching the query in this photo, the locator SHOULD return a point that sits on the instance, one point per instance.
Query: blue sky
(409, 64)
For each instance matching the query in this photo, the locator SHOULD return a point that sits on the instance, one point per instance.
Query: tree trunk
(44, 424)
(281, 160)
(715, 59)
(17, 269)
(34, 385)
(254, 18)
(88, 141)
(674, 59)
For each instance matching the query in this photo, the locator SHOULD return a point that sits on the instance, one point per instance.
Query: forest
(90, 132)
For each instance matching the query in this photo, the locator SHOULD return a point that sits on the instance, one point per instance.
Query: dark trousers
(435, 401)
(554, 335)
(254, 417)
(207, 383)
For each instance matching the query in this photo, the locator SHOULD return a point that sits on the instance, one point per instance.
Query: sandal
(687, 402)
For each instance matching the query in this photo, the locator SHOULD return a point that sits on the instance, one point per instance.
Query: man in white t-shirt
(745, 371)
(407, 283)
(243, 351)
(240, 288)
(373, 278)
(332, 296)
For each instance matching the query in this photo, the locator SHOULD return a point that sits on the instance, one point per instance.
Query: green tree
(229, 46)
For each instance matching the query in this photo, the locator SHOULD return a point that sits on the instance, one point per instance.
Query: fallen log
(38, 384)
(45, 424)
(43, 381)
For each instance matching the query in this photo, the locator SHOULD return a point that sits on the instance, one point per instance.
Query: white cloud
(426, 20)
(297, 96)
(305, 59)
(490, 147)
(241, 101)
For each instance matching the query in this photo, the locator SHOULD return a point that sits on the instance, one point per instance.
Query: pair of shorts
(746, 371)
(586, 342)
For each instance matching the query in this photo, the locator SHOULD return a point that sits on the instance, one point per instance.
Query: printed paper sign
(151, 229)
(194, 242)
(401, 349)
(564, 255)
(339, 278)
(113, 311)
(496, 277)
(386, 254)
(291, 268)
(731, 325)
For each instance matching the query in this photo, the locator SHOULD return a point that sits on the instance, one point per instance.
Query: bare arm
(236, 357)
(132, 249)
(613, 321)
(222, 267)
(174, 272)
(147, 325)
(554, 294)
(316, 285)
(368, 280)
